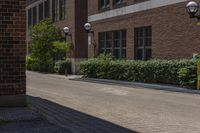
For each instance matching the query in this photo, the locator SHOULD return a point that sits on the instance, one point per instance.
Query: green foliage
(45, 45)
(63, 67)
(188, 76)
(35, 64)
(153, 71)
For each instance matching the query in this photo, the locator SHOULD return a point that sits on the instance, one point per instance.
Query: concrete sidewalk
(26, 120)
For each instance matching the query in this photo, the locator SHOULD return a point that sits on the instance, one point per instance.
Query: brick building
(70, 13)
(12, 52)
(131, 29)
(143, 29)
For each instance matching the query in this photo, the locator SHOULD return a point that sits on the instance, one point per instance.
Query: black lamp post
(192, 8)
(88, 28)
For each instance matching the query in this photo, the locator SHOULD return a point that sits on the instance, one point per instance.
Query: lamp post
(192, 8)
(66, 31)
(88, 28)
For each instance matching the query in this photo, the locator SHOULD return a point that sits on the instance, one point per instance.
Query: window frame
(105, 6)
(104, 40)
(143, 38)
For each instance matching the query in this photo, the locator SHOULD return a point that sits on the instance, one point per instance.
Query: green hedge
(35, 64)
(176, 72)
(63, 67)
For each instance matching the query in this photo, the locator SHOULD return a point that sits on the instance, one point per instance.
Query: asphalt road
(134, 109)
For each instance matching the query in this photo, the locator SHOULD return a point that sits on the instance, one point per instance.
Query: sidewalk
(25, 120)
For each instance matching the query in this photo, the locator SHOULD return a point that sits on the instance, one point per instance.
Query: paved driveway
(101, 108)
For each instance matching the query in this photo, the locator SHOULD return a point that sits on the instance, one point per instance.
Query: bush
(35, 64)
(32, 63)
(63, 67)
(177, 72)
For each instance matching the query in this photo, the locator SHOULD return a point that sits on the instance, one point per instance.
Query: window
(118, 2)
(47, 9)
(143, 43)
(41, 11)
(104, 4)
(113, 42)
(34, 15)
(62, 9)
(55, 10)
(29, 17)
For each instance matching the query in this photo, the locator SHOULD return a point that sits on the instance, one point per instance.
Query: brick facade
(174, 34)
(76, 17)
(12, 52)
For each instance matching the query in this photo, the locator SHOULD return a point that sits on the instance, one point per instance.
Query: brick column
(12, 52)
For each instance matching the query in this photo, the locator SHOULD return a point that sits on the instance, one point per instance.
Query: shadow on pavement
(74, 120)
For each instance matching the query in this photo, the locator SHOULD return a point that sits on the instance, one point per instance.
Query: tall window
(55, 10)
(103, 4)
(118, 2)
(34, 15)
(143, 43)
(62, 9)
(29, 17)
(113, 42)
(41, 11)
(47, 9)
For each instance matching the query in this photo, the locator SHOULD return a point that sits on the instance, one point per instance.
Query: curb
(142, 85)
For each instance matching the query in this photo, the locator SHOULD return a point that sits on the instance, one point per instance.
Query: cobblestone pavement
(99, 108)
(25, 120)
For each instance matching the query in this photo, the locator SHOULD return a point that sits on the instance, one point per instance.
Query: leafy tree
(46, 45)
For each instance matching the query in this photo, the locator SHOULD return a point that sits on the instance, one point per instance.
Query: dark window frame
(62, 9)
(119, 3)
(104, 5)
(55, 10)
(30, 17)
(41, 11)
(113, 42)
(47, 9)
(34, 15)
(143, 42)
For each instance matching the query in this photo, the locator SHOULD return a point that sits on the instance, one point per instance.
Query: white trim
(132, 9)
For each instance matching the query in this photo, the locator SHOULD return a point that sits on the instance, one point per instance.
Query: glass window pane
(47, 9)
(123, 43)
(116, 35)
(139, 54)
(148, 54)
(124, 34)
(34, 15)
(29, 17)
(41, 12)
(116, 53)
(108, 35)
(117, 44)
(108, 44)
(123, 53)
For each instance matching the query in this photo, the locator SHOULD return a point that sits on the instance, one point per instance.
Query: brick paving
(100, 108)
(26, 120)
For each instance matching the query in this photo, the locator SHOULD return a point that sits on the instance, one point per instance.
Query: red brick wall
(12, 47)
(76, 17)
(175, 35)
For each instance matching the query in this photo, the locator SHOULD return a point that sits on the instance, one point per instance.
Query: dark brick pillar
(12, 52)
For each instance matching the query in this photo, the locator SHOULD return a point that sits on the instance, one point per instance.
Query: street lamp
(66, 30)
(192, 8)
(88, 29)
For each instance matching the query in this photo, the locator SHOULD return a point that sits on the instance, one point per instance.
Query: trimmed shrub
(177, 72)
(63, 67)
(34, 64)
